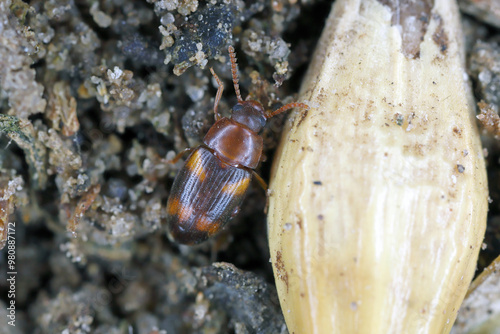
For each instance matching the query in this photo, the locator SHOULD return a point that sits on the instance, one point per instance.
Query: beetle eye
(237, 107)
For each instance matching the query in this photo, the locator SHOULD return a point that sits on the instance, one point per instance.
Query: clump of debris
(94, 96)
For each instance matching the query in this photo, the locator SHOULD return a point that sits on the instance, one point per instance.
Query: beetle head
(250, 113)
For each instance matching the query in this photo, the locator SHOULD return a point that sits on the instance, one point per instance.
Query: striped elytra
(210, 188)
(205, 195)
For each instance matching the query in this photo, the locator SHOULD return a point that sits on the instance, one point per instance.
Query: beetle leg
(261, 181)
(178, 156)
(218, 95)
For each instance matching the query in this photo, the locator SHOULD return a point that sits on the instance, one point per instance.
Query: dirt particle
(299, 223)
(440, 37)
(302, 116)
(489, 118)
(413, 17)
(280, 269)
(457, 131)
(399, 119)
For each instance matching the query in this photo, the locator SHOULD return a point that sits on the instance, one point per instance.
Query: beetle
(210, 187)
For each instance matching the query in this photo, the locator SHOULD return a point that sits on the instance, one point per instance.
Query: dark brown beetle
(209, 189)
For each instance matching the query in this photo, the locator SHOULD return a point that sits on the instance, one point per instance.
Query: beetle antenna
(286, 107)
(234, 71)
